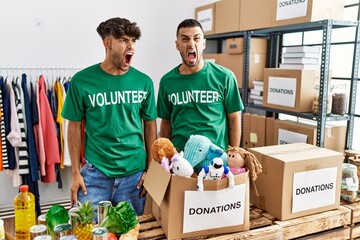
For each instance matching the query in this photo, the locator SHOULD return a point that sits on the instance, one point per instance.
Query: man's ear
(107, 42)
(176, 43)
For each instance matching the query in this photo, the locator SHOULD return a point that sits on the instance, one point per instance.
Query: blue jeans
(102, 188)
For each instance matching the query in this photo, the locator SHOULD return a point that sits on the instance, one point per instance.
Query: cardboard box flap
(156, 182)
(296, 151)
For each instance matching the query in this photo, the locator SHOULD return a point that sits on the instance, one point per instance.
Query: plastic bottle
(24, 207)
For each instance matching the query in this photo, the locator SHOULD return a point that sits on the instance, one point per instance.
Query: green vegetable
(120, 219)
(57, 214)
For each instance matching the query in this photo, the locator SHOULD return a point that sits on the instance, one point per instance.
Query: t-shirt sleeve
(73, 108)
(148, 110)
(233, 102)
(163, 105)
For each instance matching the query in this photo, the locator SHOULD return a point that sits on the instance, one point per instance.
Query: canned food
(99, 233)
(73, 215)
(43, 237)
(61, 230)
(38, 230)
(41, 219)
(68, 237)
(102, 211)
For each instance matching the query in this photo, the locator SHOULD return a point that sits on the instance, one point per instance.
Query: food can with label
(68, 237)
(99, 233)
(41, 219)
(43, 237)
(102, 211)
(61, 230)
(38, 230)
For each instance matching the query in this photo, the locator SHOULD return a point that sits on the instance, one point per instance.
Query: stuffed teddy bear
(215, 172)
(162, 150)
(240, 159)
(200, 151)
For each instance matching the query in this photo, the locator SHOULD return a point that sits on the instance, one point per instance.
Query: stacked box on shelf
(233, 58)
(300, 57)
(285, 12)
(289, 90)
(256, 93)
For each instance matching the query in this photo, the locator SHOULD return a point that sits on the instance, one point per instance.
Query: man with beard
(117, 104)
(198, 97)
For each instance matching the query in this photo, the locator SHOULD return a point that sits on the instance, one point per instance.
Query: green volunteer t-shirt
(113, 108)
(199, 103)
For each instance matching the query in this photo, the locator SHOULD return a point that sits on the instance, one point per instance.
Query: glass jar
(315, 104)
(349, 182)
(339, 99)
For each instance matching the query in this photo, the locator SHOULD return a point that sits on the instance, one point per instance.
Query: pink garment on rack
(47, 132)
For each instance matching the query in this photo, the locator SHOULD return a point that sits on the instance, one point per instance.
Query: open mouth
(191, 55)
(128, 57)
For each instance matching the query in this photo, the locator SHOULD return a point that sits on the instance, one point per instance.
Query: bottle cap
(24, 188)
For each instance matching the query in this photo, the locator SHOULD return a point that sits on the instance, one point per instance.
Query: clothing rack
(45, 70)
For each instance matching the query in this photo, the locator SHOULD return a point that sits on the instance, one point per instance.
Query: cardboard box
(269, 140)
(241, 15)
(289, 90)
(236, 45)
(257, 130)
(175, 196)
(213, 57)
(298, 179)
(291, 12)
(206, 16)
(286, 131)
(235, 62)
(227, 16)
(255, 14)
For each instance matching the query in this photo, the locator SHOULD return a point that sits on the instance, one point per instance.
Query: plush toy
(162, 150)
(239, 160)
(200, 151)
(215, 172)
(180, 166)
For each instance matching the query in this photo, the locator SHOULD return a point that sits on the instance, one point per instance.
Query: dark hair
(118, 27)
(188, 23)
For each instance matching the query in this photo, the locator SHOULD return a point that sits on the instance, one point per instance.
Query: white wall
(62, 33)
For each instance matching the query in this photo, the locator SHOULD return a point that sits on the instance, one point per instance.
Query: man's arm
(74, 142)
(234, 123)
(150, 137)
(165, 129)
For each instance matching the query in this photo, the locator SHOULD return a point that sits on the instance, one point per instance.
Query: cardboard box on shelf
(241, 15)
(255, 14)
(269, 140)
(289, 90)
(257, 130)
(235, 62)
(227, 15)
(298, 179)
(206, 16)
(186, 212)
(291, 12)
(286, 131)
(213, 57)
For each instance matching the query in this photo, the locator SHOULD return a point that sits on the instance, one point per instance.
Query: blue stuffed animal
(200, 151)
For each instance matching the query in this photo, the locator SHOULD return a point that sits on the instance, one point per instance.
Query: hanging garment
(33, 159)
(1, 161)
(10, 161)
(59, 119)
(65, 123)
(4, 157)
(22, 145)
(48, 133)
(14, 137)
